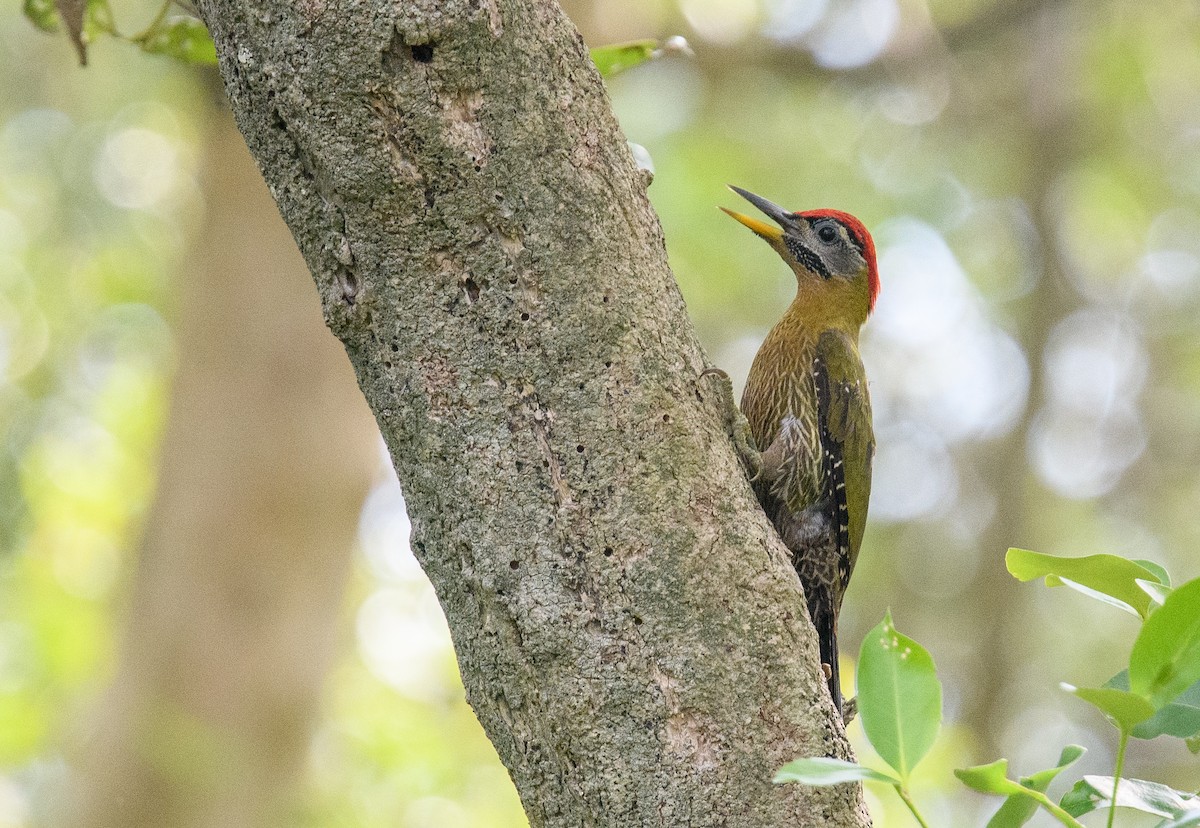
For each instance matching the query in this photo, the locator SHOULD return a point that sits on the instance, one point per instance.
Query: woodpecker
(808, 409)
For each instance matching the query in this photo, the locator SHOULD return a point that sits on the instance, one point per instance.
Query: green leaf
(183, 38)
(1126, 709)
(1190, 819)
(1157, 592)
(1081, 799)
(1160, 573)
(621, 56)
(1174, 719)
(1092, 793)
(899, 697)
(1180, 718)
(991, 778)
(1107, 575)
(826, 771)
(1019, 808)
(42, 13)
(1095, 595)
(1166, 655)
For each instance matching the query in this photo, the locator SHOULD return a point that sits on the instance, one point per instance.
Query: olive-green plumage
(809, 411)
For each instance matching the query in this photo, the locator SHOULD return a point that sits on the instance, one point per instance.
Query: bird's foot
(737, 426)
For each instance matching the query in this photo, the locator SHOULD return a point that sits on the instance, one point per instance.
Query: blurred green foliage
(1031, 173)
(900, 702)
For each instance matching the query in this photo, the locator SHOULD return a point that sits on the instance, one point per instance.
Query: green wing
(845, 414)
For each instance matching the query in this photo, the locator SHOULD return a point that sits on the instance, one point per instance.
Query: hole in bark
(579, 449)
(637, 620)
(428, 197)
(514, 564)
(608, 551)
(666, 418)
(545, 464)
(605, 299)
(520, 465)
(607, 364)
(422, 52)
(387, 365)
(472, 289)
(524, 317)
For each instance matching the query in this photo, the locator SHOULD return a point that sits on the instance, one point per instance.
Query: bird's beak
(767, 231)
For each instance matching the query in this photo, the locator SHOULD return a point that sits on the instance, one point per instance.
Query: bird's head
(829, 251)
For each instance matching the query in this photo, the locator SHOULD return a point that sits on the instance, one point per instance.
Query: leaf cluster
(180, 36)
(1158, 694)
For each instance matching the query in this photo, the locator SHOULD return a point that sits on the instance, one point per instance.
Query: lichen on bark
(629, 630)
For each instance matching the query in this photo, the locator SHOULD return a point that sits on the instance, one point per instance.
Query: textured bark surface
(629, 630)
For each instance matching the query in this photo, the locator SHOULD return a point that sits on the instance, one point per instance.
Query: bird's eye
(827, 234)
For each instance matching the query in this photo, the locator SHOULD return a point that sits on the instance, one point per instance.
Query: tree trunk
(630, 631)
(268, 455)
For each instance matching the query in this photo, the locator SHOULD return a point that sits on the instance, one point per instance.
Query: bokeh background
(208, 611)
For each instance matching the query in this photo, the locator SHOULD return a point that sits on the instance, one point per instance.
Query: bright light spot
(13, 238)
(1173, 273)
(77, 455)
(931, 353)
(137, 168)
(658, 99)
(434, 810)
(84, 560)
(925, 295)
(917, 103)
(384, 531)
(1082, 456)
(792, 19)
(975, 390)
(1090, 431)
(1094, 361)
(913, 475)
(721, 21)
(854, 33)
(14, 806)
(403, 639)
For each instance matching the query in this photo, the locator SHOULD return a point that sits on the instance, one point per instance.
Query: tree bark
(268, 455)
(630, 631)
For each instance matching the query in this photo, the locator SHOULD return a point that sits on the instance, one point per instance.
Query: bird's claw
(849, 710)
(737, 425)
